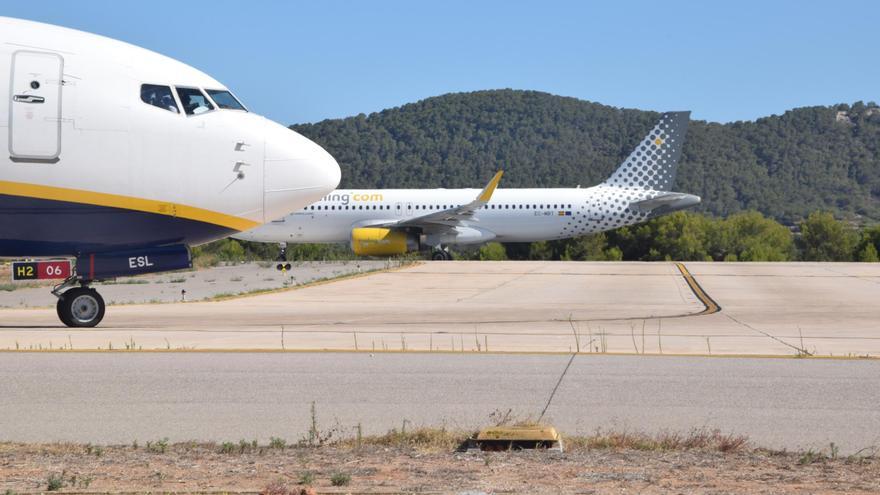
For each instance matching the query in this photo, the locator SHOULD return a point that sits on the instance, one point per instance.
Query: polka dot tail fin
(653, 164)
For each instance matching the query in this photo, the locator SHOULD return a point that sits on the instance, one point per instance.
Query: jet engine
(374, 241)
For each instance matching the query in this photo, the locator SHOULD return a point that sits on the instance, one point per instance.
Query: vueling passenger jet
(395, 221)
(121, 158)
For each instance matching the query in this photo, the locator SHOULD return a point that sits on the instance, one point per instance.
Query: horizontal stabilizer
(665, 203)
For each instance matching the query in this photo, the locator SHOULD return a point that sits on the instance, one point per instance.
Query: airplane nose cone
(298, 172)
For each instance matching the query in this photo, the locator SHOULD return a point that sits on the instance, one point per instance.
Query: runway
(119, 398)
(784, 309)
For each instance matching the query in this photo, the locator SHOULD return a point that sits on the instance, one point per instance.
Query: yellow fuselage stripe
(125, 202)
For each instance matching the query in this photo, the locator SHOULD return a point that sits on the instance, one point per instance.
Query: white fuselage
(512, 215)
(90, 161)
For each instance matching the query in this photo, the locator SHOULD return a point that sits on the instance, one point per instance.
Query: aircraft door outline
(35, 93)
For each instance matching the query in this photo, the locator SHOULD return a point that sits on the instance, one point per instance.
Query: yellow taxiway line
(711, 306)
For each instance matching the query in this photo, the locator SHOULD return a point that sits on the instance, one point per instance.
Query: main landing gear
(441, 254)
(283, 265)
(78, 306)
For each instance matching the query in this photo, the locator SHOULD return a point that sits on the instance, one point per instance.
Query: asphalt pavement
(112, 398)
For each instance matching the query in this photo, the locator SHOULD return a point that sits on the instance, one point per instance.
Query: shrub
(340, 479)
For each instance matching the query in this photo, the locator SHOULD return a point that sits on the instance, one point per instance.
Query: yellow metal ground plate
(519, 433)
(516, 438)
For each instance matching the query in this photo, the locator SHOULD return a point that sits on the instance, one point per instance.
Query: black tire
(279, 267)
(447, 255)
(438, 255)
(288, 266)
(81, 307)
(59, 308)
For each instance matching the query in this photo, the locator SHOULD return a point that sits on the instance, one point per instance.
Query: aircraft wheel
(59, 308)
(438, 255)
(81, 307)
(447, 255)
(287, 266)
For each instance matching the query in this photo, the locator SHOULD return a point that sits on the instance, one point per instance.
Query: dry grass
(436, 440)
(424, 439)
(410, 460)
(700, 439)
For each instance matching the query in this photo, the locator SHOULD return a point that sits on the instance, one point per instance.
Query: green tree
(541, 250)
(870, 238)
(230, 250)
(869, 254)
(749, 236)
(492, 251)
(585, 248)
(613, 254)
(823, 238)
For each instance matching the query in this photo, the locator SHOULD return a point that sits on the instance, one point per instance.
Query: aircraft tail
(652, 165)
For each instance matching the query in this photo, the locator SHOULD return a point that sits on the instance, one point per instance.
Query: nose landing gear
(283, 265)
(80, 306)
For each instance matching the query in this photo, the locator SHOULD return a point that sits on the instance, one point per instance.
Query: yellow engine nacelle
(372, 241)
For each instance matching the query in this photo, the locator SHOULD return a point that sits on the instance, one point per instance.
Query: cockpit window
(159, 96)
(194, 101)
(224, 99)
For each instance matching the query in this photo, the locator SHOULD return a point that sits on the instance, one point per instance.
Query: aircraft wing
(451, 217)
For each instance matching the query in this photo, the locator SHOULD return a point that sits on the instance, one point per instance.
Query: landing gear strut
(283, 265)
(79, 306)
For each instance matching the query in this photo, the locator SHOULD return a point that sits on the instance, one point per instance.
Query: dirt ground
(243, 468)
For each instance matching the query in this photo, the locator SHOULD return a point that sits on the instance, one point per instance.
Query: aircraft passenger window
(159, 96)
(333, 207)
(374, 207)
(398, 207)
(225, 100)
(194, 101)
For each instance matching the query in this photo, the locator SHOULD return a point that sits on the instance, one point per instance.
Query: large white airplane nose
(298, 172)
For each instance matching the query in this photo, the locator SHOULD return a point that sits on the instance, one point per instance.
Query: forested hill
(784, 166)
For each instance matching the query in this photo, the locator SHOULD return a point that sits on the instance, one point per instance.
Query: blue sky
(307, 61)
